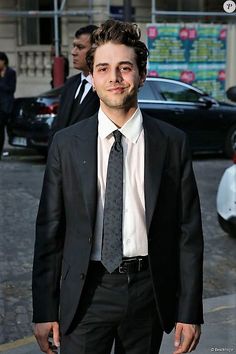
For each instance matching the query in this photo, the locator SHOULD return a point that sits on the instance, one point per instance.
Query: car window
(149, 91)
(177, 92)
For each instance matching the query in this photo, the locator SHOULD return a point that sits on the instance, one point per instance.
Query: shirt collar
(131, 129)
(88, 78)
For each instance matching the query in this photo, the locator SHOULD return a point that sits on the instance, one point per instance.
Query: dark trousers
(119, 306)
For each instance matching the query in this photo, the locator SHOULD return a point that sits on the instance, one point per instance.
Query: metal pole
(195, 14)
(153, 11)
(56, 30)
(34, 13)
(127, 10)
(62, 5)
(90, 6)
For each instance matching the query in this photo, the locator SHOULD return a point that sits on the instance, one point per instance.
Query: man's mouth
(118, 89)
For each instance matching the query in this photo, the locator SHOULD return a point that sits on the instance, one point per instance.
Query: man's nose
(115, 75)
(73, 51)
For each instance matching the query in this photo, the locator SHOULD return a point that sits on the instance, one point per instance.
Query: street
(21, 176)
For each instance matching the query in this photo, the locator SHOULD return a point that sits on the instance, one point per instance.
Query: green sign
(193, 53)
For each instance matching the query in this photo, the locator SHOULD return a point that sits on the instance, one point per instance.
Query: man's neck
(85, 73)
(118, 116)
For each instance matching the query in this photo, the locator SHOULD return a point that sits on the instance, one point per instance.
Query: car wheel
(230, 142)
(229, 226)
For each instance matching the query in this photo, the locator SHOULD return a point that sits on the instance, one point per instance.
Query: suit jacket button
(90, 240)
(82, 276)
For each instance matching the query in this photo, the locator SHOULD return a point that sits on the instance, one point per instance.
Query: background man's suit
(67, 214)
(7, 89)
(88, 107)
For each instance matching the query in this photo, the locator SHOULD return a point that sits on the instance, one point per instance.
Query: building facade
(27, 37)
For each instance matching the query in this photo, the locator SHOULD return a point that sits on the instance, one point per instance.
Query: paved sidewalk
(218, 333)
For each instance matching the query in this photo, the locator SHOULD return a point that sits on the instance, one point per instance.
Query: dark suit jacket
(7, 89)
(88, 107)
(67, 213)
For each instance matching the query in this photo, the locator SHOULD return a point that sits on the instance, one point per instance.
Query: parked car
(31, 120)
(210, 125)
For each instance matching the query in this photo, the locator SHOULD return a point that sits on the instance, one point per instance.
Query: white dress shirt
(87, 87)
(134, 224)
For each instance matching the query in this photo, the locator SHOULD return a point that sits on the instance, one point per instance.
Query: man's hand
(42, 332)
(186, 337)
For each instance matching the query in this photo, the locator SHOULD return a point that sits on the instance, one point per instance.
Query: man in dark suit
(119, 244)
(7, 90)
(74, 108)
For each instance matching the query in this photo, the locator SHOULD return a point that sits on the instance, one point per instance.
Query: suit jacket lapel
(86, 156)
(70, 95)
(87, 98)
(155, 151)
(80, 107)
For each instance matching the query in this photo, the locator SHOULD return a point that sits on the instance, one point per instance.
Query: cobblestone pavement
(20, 185)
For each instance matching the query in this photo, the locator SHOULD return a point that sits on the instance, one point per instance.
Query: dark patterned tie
(113, 208)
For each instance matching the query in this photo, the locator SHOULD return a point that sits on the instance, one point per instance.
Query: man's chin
(126, 103)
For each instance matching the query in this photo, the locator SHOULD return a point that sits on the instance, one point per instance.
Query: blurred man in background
(7, 90)
(78, 100)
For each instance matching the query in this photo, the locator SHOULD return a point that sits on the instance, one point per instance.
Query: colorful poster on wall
(193, 53)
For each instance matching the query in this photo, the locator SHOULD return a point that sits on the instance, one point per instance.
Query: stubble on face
(116, 77)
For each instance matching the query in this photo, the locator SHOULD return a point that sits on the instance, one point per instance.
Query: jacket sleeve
(190, 246)
(8, 82)
(62, 116)
(50, 233)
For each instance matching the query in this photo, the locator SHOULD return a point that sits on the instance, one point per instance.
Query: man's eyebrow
(77, 44)
(126, 62)
(120, 63)
(101, 64)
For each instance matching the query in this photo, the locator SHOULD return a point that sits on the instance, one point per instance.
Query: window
(178, 92)
(36, 30)
(149, 91)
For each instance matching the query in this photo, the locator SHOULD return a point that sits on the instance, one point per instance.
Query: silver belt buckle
(139, 264)
(122, 269)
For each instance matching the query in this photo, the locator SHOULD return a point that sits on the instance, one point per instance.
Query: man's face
(2, 64)
(116, 77)
(81, 45)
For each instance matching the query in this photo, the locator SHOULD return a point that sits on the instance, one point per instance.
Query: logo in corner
(229, 6)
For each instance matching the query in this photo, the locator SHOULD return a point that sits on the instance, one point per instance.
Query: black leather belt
(128, 265)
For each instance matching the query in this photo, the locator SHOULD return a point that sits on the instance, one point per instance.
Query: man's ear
(142, 79)
(94, 88)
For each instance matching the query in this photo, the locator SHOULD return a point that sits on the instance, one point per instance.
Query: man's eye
(125, 68)
(102, 69)
(77, 47)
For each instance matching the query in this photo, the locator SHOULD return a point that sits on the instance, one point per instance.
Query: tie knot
(117, 135)
(83, 83)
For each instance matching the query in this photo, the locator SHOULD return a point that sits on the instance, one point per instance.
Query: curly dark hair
(120, 33)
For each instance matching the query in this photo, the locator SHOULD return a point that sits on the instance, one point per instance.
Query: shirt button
(128, 241)
(82, 276)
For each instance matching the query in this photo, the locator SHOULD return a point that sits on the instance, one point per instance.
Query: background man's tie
(113, 208)
(81, 91)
